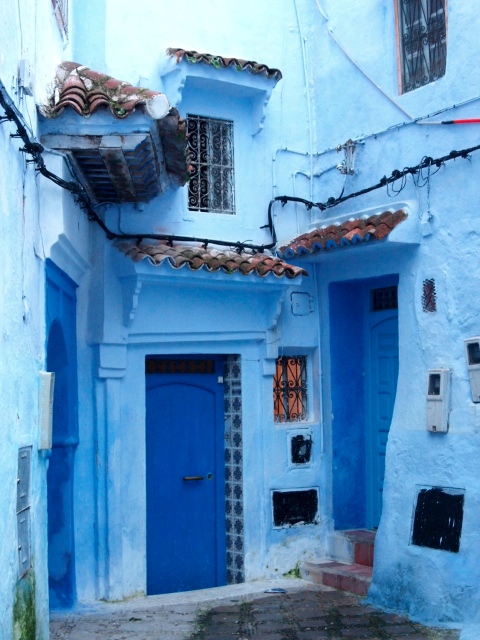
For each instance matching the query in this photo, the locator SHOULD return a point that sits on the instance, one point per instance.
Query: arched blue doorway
(61, 359)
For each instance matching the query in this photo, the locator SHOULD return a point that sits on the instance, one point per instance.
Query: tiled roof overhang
(220, 62)
(350, 232)
(119, 162)
(195, 258)
(85, 91)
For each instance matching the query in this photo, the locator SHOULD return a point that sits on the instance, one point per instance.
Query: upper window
(423, 41)
(210, 146)
(290, 389)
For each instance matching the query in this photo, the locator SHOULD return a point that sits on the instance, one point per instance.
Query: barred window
(423, 41)
(290, 389)
(210, 146)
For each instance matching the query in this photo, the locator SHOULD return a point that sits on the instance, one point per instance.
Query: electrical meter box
(438, 400)
(472, 353)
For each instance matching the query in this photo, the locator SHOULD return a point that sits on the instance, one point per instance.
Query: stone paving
(241, 612)
(309, 615)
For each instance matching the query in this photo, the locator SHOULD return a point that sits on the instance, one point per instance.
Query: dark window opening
(384, 299)
(423, 41)
(290, 389)
(168, 365)
(294, 507)
(438, 518)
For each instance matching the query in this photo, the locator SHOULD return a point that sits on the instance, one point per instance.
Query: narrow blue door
(61, 352)
(185, 475)
(382, 389)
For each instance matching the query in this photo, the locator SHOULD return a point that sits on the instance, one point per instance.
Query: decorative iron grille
(423, 38)
(210, 146)
(429, 296)
(384, 298)
(290, 389)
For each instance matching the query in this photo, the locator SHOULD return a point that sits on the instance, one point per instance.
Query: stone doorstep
(355, 578)
(363, 542)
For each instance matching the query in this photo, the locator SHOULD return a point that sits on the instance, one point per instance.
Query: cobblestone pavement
(241, 612)
(309, 615)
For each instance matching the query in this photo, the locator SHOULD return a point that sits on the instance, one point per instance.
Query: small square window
(422, 29)
(210, 147)
(290, 389)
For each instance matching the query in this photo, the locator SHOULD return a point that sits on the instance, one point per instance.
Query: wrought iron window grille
(290, 389)
(210, 146)
(423, 41)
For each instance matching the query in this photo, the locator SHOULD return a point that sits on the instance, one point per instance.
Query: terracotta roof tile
(211, 259)
(220, 62)
(85, 91)
(346, 233)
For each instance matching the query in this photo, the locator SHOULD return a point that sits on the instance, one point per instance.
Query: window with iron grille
(290, 389)
(423, 41)
(210, 147)
(60, 8)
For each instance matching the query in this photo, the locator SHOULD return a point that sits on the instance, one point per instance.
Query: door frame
(219, 444)
(349, 303)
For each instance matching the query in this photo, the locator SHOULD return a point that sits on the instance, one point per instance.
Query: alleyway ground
(240, 612)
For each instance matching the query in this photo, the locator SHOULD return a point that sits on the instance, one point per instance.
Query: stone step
(354, 578)
(363, 542)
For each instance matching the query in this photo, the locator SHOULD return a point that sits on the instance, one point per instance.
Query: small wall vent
(429, 296)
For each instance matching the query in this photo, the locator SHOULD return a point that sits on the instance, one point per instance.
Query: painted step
(363, 542)
(355, 578)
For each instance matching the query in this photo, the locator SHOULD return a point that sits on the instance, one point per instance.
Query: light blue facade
(340, 83)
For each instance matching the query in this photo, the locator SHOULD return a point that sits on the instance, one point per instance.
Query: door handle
(188, 478)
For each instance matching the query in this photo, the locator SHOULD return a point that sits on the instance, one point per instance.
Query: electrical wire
(416, 172)
(33, 148)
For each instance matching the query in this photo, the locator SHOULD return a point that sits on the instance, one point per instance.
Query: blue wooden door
(185, 480)
(61, 350)
(381, 391)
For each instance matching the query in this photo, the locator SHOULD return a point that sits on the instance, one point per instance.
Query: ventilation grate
(429, 296)
(384, 299)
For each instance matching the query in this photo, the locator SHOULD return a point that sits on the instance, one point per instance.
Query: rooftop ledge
(399, 225)
(234, 77)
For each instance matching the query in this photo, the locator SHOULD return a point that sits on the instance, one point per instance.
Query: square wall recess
(438, 518)
(295, 507)
(299, 442)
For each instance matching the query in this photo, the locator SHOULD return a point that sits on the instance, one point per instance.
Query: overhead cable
(34, 149)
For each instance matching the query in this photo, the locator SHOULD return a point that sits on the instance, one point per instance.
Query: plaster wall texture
(27, 31)
(185, 312)
(322, 100)
(432, 585)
